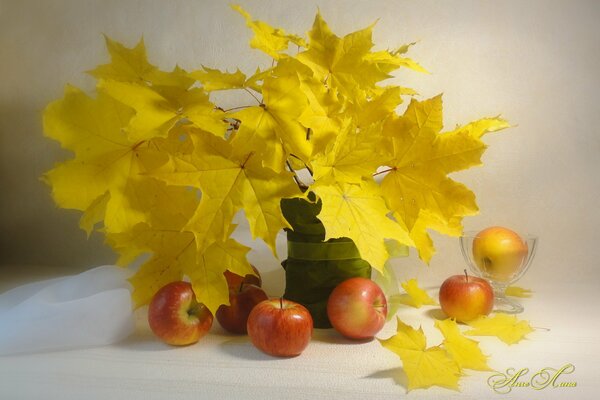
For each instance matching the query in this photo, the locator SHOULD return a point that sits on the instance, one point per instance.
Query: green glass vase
(314, 267)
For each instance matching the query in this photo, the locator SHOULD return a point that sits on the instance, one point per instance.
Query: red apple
(234, 317)
(499, 252)
(357, 308)
(280, 327)
(235, 280)
(465, 297)
(176, 317)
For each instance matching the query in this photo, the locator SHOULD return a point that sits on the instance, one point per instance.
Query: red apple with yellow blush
(465, 297)
(234, 317)
(357, 308)
(280, 327)
(176, 317)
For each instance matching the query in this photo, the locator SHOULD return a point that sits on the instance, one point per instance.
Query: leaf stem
(247, 158)
(252, 94)
(384, 171)
(305, 166)
(235, 108)
(300, 184)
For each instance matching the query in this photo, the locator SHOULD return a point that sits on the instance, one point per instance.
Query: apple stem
(241, 286)
(281, 303)
(194, 306)
(466, 275)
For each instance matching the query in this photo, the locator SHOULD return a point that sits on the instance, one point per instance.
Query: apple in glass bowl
(499, 253)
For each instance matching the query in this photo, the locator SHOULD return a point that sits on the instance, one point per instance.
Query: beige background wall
(535, 62)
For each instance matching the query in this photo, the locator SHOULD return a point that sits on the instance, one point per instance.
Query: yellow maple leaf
(157, 114)
(516, 291)
(127, 64)
(388, 61)
(482, 126)
(339, 61)
(213, 79)
(359, 213)
(351, 157)
(271, 130)
(325, 114)
(175, 257)
(174, 254)
(105, 179)
(417, 188)
(131, 65)
(266, 38)
(424, 367)
(506, 327)
(414, 296)
(347, 64)
(230, 179)
(376, 107)
(465, 351)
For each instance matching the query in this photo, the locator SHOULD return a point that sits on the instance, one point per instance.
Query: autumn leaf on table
(464, 351)
(505, 327)
(417, 188)
(516, 291)
(359, 213)
(230, 179)
(414, 296)
(424, 366)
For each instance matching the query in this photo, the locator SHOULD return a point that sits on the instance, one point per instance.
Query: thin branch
(300, 184)
(235, 108)
(384, 171)
(305, 165)
(252, 94)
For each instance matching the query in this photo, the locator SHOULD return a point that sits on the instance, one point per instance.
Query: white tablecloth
(223, 366)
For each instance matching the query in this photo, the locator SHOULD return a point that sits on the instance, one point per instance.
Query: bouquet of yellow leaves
(161, 169)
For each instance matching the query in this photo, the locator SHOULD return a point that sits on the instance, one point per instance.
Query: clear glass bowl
(501, 267)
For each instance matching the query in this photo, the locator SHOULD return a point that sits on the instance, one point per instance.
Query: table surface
(225, 366)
